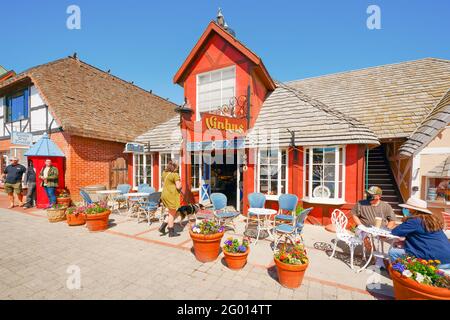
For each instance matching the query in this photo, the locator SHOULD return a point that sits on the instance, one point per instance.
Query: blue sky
(146, 41)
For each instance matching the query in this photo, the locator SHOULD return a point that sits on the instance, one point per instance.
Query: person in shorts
(12, 175)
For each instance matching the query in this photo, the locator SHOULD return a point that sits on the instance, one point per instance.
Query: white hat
(416, 204)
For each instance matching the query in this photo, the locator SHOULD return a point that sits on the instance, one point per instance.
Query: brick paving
(132, 261)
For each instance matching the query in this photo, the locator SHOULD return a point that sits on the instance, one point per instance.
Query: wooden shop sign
(215, 122)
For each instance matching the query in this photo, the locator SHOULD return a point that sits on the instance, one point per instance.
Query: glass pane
(318, 156)
(340, 190)
(263, 186)
(330, 157)
(329, 173)
(341, 172)
(317, 173)
(273, 187)
(331, 187)
(341, 155)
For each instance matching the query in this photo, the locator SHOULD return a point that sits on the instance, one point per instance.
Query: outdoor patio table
(139, 196)
(109, 197)
(377, 249)
(264, 221)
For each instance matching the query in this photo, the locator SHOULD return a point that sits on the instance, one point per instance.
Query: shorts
(13, 187)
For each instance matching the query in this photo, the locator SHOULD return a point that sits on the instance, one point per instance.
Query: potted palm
(97, 216)
(419, 279)
(56, 213)
(63, 198)
(235, 253)
(206, 237)
(76, 216)
(291, 263)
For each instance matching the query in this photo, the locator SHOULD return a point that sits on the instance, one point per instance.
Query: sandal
(11, 206)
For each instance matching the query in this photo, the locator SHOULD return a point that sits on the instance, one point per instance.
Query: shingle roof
(313, 122)
(392, 100)
(92, 103)
(437, 120)
(440, 171)
(164, 137)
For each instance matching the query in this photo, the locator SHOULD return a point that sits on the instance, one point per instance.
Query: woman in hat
(423, 233)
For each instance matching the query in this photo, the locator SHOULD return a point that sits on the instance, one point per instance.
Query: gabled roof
(91, 103)
(313, 122)
(165, 137)
(214, 28)
(437, 120)
(44, 147)
(392, 100)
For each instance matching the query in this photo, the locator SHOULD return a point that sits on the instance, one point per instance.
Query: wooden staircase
(379, 174)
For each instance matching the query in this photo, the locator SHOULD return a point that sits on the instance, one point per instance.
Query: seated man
(424, 235)
(365, 211)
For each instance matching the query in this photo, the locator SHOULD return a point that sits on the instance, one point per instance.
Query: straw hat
(416, 204)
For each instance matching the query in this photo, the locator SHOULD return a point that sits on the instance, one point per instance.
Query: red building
(325, 139)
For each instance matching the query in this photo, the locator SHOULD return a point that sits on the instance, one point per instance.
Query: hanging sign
(216, 122)
(21, 138)
(134, 148)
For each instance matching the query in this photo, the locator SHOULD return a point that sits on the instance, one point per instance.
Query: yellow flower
(437, 261)
(432, 268)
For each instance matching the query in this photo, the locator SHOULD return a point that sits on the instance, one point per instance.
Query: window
(142, 167)
(215, 89)
(17, 106)
(195, 170)
(272, 171)
(324, 173)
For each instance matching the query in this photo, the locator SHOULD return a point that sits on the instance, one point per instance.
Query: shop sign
(21, 138)
(234, 144)
(134, 148)
(215, 122)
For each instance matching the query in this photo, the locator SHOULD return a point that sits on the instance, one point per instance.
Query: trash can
(92, 192)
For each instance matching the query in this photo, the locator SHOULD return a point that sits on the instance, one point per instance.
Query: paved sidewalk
(131, 261)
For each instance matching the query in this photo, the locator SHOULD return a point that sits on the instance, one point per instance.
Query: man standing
(366, 211)
(13, 181)
(49, 176)
(30, 180)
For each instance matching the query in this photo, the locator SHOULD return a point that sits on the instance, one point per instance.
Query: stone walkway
(39, 260)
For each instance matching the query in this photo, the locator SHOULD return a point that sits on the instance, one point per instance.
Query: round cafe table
(135, 198)
(264, 222)
(109, 197)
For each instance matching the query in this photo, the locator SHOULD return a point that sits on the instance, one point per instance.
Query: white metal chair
(340, 220)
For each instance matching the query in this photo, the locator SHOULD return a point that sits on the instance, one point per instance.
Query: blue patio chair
(120, 198)
(301, 222)
(255, 200)
(221, 214)
(286, 230)
(286, 202)
(149, 207)
(86, 198)
(143, 188)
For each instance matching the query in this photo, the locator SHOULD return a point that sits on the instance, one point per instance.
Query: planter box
(97, 222)
(290, 275)
(76, 220)
(206, 247)
(236, 261)
(56, 215)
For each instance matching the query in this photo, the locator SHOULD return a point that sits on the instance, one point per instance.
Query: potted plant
(56, 213)
(235, 253)
(418, 279)
(76, 216)
(291, 263)
(97, 216)
(64, 198)
(206, 237)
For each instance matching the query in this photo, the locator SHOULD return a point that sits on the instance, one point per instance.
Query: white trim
(324, 201)
(437, 150)
(279, 167)
(144, 167)
(197, 112)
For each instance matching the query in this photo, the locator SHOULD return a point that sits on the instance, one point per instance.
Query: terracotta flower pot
(76, 219)
(236, 261)
(290, 275)
(97, 222)
(64, 201)
(409, 289)
(56, 215)
(206, 247)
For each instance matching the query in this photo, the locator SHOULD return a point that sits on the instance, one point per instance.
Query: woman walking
(170, 196)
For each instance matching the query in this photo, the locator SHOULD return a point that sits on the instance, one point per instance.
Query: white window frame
(258, 171)
(197, 111)
(173, 156)
(144, 164)
(308, 197)
(200, 164)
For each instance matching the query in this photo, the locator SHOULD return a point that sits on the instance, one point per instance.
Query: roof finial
(220, 18)
(75, 55)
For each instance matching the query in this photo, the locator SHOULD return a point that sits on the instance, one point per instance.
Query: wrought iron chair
(286, 202)
(221, 214)
(149, 207)
(255, 200)
(340, 221)
(86, 198)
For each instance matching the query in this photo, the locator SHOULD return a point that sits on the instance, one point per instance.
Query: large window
(164, 159)
(324, 174)
(272, 171)
(195, 170)
(142, 167)
(17, 106)
(215, 89)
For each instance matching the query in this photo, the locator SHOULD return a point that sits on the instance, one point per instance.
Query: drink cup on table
(378, 222)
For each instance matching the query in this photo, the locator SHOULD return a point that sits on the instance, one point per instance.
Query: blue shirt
(423, 244)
